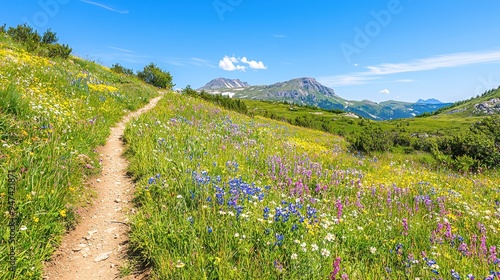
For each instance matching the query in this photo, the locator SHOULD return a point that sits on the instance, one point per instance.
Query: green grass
(338, 123)
(466, 108)
(53, 115)
(225, 196)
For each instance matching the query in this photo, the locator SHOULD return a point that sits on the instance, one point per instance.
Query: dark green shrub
(402, 139)
(58, 50)
(223, 101)
(371, 139)
(122, 70)
(49, 37)
(465, 163)
(424, 144)
(480, 144)
(26, 35)
(45, 45)
(153, 75)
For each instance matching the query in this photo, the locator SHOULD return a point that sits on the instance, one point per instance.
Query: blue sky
(377, 50)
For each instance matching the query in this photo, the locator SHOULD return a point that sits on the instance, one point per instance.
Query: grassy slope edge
(53, 114)
(224, 196)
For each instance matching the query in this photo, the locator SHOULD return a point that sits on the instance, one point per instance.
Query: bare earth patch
(98, 246)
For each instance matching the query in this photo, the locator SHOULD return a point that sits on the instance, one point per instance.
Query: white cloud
(233, 59)
(254, 64)
(201, 62)
(345, 80)
(424, 64)
(227, 64)
(187, 62)
(232, 63)
(104, 7)
(120, 49)
(384, 91)
(436, 62)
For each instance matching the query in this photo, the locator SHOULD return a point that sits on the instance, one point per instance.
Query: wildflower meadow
(221, 195)
(53, 115)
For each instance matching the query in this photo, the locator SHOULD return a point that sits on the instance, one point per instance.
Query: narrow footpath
(98, 246)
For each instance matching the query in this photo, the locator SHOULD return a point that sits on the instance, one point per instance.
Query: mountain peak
(223, 83)
(307, 85)
(429, 101)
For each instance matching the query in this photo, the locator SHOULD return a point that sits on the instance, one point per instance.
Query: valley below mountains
(308, 91)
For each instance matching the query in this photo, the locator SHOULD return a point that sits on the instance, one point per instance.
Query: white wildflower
(325, 252)
(330, 237)
(314, 247)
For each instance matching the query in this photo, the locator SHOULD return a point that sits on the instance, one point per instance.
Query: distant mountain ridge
(429, 101)
(223, 83)
(308, 91)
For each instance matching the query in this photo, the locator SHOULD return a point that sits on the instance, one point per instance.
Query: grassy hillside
(340, 122)
(470, 108)
(222, 195)
(225, 196)
(459, 142)
(53, 114)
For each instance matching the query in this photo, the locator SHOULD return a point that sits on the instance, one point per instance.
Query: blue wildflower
(311, 212)
(261, 196)
(266, 212)
(279, 239)
(455, 274)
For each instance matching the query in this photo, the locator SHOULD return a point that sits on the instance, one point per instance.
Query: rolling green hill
(486, 104)
(309, 92)
(54, 113)
(459, 142)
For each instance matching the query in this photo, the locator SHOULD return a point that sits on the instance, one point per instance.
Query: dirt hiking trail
(98, 246)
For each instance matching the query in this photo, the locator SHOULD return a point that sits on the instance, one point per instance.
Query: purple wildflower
(336, 268)
(493, 254)
(405, 226)
(339, 206)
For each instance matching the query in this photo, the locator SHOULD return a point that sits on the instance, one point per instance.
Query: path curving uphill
(98, 246)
